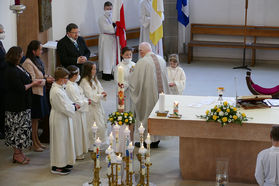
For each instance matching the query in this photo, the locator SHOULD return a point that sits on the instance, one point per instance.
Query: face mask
(2, 36)
(108, 13)
(64, 86)
(78, 78)
(127, 60)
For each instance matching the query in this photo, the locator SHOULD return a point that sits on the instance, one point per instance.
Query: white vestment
(177, 76)
(145, 10)
(96, 112)
(267, 168)
(62, 150)
(76, 95)
(144, 90)
(107, 48)
(127, 68)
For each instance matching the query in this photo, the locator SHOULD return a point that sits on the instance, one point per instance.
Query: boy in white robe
(76, 95)
(128, 66)
(176, 76)
(267, 168)
(107, 43)
(62, 151)
(93, 90)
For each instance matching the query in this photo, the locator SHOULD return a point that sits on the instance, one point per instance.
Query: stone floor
(202, 79)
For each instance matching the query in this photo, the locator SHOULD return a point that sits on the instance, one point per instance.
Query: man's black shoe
(106, 77)
(155, 144)
(137, 144)
(111, 76)
(61, 171)
(70, 167)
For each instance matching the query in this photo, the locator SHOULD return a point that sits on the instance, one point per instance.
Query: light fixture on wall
(17, 8)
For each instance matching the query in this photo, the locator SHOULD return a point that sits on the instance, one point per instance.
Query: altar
(201, 143)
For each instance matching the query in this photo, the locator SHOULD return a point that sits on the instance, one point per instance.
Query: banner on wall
(182, 8)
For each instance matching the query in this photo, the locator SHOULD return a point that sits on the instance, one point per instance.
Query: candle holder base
(178, 116)
(162, 114)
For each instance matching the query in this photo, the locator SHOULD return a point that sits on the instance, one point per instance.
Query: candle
(141, 131)
(127, 136)
(17, 2)
(94, 129)
(119, 162)
(148, 141)
(116, 130)
(111, 138)
(162, 102)
(120, 74)
(142, 151)
(175, 107)
(109, 151)
(130, 149)
(98, 143)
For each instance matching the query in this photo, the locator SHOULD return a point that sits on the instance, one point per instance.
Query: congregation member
(76, 95)
(18, 105)
(146, 82)
(72, 49)
(93, 90)
(62, 149)
(145, 17)
(3, 65)
(35, 67)
(176, 76)
(107, 49)
(128, 66)
(267, 167)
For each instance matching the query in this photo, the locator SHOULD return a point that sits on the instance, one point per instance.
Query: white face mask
(78, 78)
(64, 86)
(2, 36)
(108, 13)
(127, 60)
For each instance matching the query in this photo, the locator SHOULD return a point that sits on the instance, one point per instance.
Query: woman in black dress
(34, 65)
(18, 105)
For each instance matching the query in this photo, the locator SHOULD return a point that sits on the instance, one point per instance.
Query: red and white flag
(119, 19)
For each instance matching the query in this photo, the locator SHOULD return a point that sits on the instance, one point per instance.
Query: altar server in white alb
(146, 82)
(76, 95)
(145, 19)
(128, 67)
(107, 43)
(176, 76)
(62, 150)
(93, 90)
(267, 168)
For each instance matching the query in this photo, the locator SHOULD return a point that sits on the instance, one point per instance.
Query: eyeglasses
(75, 32)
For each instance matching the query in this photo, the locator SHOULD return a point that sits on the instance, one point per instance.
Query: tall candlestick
(94, 129)
(98, 143)
(162, 102)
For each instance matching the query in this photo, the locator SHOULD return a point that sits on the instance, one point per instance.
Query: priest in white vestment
(62, 150)
(267, 168)
(128, 66)
(176, 76)
(107, 48)
(146, 82)
(145, 11)
(76, 95)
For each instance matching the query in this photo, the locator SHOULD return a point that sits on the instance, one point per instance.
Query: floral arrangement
(121, 118)
(224, 114)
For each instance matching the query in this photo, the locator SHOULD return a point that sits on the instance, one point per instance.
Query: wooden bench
(94, 39)
(252, 32)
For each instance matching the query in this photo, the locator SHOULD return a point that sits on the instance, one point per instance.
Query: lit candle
(98, 143)
(116, 130)
(109, 151)
(120, 74)
(119, 162)
(17, 2)
(111, 138)
(162, 102)
(127, 137)
(94, 129)
(141, 131)
(142, 151)
(175, 107)
(148, 141)
(131, 149)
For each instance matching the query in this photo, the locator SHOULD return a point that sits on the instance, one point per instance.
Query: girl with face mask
(76, 95)
(128, 66)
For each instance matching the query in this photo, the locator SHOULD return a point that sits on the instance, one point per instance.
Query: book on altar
(272, 102)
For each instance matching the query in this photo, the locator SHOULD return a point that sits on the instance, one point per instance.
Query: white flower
(221, 113)
(219, 120)
(238, 115)
(119, 118)
(226, 113)
(230, 116)
(229, 120)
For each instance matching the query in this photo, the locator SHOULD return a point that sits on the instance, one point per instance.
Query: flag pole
(244, 66)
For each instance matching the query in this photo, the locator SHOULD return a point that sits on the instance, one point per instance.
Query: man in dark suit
(2, 69)
(72, 49)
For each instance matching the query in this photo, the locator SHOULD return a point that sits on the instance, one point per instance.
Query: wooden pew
(237, 31)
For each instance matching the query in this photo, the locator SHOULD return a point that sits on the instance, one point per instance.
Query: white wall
(260, 12)
(8, 20)
(85, 14)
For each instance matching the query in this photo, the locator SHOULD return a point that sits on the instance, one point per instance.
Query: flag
(119, 19)
(156, 21)
(182, 8)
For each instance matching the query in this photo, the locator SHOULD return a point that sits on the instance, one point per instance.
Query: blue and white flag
(182, 8)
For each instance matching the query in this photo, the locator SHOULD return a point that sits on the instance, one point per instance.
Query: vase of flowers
(224, 114)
